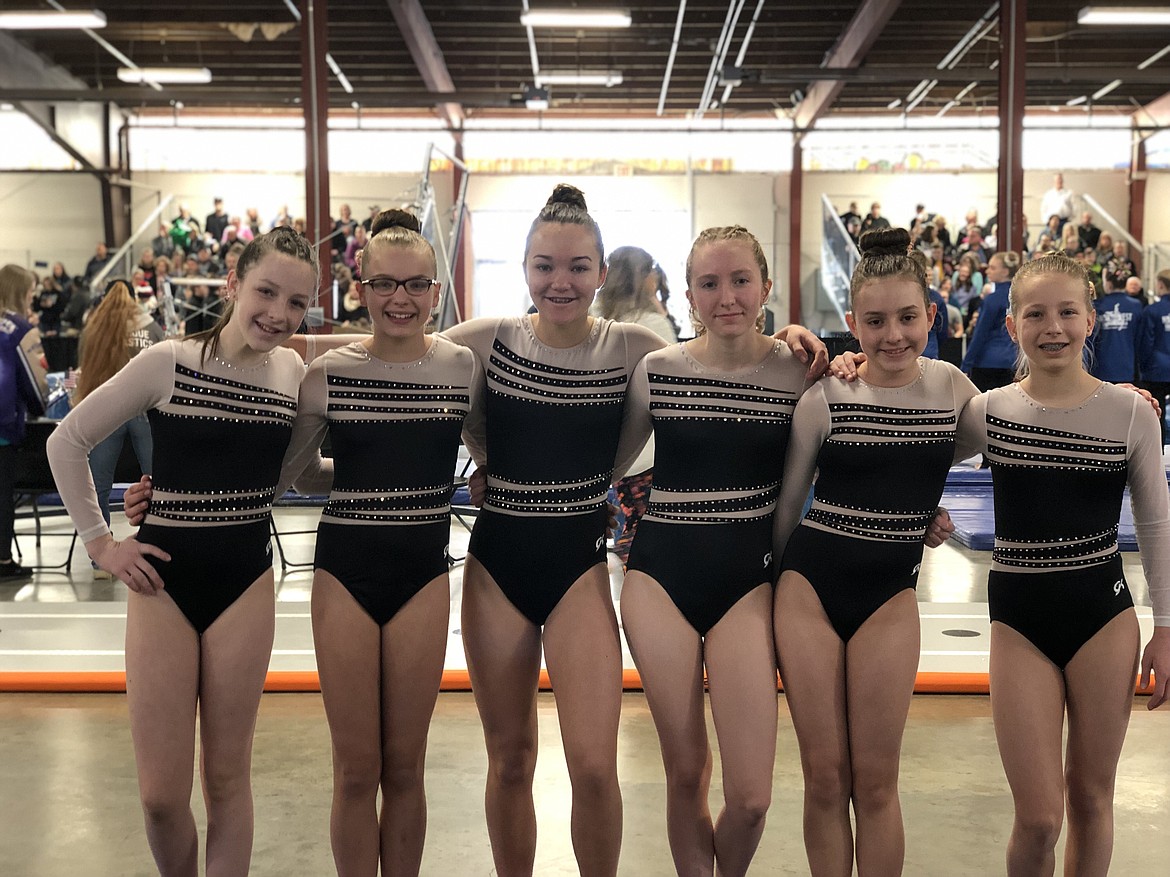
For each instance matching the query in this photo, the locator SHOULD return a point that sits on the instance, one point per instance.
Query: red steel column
(1013, 57)
(795, 191)
(315, 100)
(1137, 192)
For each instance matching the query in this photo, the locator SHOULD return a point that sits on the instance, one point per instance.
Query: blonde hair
(726, 233)
(14, 286)
(1163, 277)
(1010, 260)
(105, 341)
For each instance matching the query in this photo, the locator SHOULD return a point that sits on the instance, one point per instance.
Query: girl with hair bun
(200, 612)
(698, 591)
(394, 405)
(1063, 446)
(990, 360)
(547, 440)
(846, 618)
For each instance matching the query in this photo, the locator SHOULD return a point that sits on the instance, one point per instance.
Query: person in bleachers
(1070, 240)
(990, 360)
(1115, 338)
(1052, 226)
(975, 245)
(942, 234)
(200, 312)
(970, 221)
(1119, 264)
(1058, 201)
(187, 220)
(100, 257)
(163, 244)
(940, 266)
(206, 264)
(48, 305)
(966, 284)
(146, 266)
(851, 213)
(1154, 344)
(874, 220)
(1087, 232)
(1133, 288)
(216, 221)
(354, 247)
(853, 229)
(231, 258)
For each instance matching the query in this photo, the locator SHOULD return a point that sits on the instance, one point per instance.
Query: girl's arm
(807, 348)
(303, 466)
(810, 429)
(146, 382)
(1150, 500)
(968, 440)
(636, 422)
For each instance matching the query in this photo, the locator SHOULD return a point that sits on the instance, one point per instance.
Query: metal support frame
(1013, 59)
(795, 198)
(315, 99)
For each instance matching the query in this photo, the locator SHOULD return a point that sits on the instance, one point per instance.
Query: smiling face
(891, 320)
(1050, 318)
(400, 314)
(270, 301)
(727, 288)
(564, 270)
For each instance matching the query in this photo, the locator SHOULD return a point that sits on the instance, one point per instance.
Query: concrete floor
(69, 804)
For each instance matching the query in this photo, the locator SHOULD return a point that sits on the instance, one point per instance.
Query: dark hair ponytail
(885, 253)
(566, 206)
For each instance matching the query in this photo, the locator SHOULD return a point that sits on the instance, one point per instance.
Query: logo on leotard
(1118, 587)
(767, 559)
(914, 571)
(597, 544)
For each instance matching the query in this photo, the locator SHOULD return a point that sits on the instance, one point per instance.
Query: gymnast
(394, 406)
(846, 618)
(698, 588)
(1063, 446)
(200, 612)
(536, 571)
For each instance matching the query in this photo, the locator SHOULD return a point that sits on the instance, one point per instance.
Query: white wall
(51, 217)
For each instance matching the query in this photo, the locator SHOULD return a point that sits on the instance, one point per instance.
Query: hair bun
(885, 242)
(395, 218)
(566, 194)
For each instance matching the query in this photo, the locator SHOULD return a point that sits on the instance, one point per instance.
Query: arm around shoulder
(810, 427)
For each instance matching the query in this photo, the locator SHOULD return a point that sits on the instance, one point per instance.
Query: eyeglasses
(384, 287)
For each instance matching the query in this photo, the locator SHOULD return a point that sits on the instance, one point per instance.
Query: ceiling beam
(428, 57)
(852, 46)
(1155, 113)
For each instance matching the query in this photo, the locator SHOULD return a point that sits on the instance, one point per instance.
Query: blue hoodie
(1115, 338)
(1154, 341)
(991, 346)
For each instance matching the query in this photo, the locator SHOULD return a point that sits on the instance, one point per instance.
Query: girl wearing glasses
(394, 405)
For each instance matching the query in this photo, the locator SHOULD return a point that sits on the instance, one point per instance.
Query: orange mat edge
(453, 680)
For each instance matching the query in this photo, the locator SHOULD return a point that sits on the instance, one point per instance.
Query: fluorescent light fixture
(608, 78)
(169, 75)
(567, 17)
(1076, 101)
(894, 104)
(1105, 89)
(967, 89)
(341, 77)
(1131, 15)
(49, 19)
(1154, 58)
